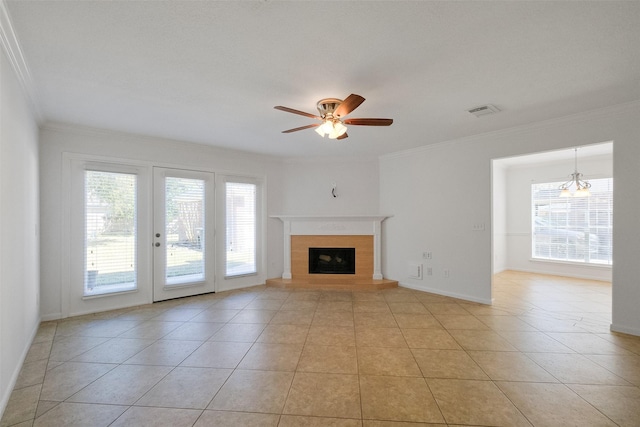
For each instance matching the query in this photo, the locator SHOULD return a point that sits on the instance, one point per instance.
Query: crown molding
(600, 113)
(12, 48)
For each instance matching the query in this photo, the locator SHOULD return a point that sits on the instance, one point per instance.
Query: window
(241, 235)
(574, 229)
(110, 232)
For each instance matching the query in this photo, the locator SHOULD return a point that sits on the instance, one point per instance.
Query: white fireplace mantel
(333, 225)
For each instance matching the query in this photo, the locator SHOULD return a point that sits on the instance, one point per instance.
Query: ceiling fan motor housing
(327, 106)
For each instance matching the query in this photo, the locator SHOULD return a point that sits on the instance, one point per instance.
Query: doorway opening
(517, 215)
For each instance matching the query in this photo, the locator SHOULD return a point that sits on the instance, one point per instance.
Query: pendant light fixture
(582, 187)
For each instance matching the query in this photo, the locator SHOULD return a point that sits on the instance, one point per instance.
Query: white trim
(124, 306)
(16, 373)
(624, 329)
(446, 294)
(11, 46)
(51, 316)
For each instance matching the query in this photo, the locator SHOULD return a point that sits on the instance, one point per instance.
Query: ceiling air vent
(483, 110)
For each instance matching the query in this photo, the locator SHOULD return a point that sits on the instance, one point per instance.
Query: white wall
(435, 196)
(518, 219)
(439, 192)
(626, 225)
(58, 142)
(307, 184)
(19, 244)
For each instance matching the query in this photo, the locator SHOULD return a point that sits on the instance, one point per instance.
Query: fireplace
(361, 232)
(331, 235)
(332, 260)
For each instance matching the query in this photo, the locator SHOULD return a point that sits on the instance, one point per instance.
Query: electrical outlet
(426, 255)
(429, 271)
(415, 271)
(446, 272)
(479, 226)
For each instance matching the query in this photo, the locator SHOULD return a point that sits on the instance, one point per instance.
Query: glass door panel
(110, 232)
(184, 230)
(183, 233)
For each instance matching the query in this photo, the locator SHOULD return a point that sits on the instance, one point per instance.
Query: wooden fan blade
(301, 113)
(348, 105)
(315, 125)
(368, 122)
(343, 136)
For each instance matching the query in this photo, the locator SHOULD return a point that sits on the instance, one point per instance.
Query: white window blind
(110, 232)
(575, 229)
(240, 228)
(184, 217)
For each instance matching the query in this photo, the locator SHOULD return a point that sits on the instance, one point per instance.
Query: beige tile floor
(541, 355)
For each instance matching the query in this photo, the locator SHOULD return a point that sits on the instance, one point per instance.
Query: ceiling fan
(332, 112)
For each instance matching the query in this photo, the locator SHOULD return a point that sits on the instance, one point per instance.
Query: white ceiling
(211, 72)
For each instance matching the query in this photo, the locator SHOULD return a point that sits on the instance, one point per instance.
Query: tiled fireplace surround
(362, 232)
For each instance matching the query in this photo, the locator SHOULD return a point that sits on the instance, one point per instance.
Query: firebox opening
(332, 261)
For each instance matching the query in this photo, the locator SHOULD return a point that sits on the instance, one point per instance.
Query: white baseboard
(6, 394)
(51, 316)
(239, 286)
(625, 329)
(447, 294)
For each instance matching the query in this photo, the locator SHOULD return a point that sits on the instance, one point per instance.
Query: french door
(183, 233)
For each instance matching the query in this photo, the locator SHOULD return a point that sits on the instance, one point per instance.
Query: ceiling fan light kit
(331, 128)
(332, 111)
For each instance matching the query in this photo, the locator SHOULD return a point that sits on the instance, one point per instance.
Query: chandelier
(582, 187)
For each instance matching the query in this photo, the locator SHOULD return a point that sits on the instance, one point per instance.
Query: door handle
(157, 244)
